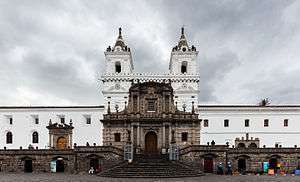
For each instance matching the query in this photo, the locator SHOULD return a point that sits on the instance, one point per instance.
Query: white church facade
(272, 124)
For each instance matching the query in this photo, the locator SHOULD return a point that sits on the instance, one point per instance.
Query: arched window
(252, 145)
(9, 137)
(184, 67)
(118, 67)
(241, 145)
(35, 137)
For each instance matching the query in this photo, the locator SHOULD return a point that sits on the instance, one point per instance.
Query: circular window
(184, 49)
(117, 86)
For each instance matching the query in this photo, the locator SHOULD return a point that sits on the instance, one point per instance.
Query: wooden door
(28, 166)
(61, 143)
(151, 143)
(60, 167)
(242, 165)
(208, 165)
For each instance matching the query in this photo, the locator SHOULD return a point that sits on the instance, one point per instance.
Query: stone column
(170, 134)
(138, 103)
(50, 140)
(163, 103)
(138, 134)
(164, 136)
(69, 141)
(132, 137)
(53, 143)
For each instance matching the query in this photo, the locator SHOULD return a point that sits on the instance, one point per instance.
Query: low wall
(288, 158)
(75, 160)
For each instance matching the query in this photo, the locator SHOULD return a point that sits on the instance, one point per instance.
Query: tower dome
(119, 45)
(183, 44)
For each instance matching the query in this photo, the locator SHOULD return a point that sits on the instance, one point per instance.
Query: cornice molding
(144, 77)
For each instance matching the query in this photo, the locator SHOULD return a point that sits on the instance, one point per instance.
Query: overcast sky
(51, 52)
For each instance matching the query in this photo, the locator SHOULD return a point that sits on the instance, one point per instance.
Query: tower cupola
(183, 58)
(183, 44)
(119, 45)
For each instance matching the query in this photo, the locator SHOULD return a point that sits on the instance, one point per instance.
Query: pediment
(185, 88)
(115, 88)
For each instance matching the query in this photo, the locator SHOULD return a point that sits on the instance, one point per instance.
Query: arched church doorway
(28, 166)
(151, 142)
(60, 166)
(208, 165)
(242, 165)
(61, 143)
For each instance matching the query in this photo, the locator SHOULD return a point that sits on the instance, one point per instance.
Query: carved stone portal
(60, 135)
(152, 119)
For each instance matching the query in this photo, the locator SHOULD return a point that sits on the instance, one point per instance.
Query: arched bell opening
(184, 67)
(118, 67)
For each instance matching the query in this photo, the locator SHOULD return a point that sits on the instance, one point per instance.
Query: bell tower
(118, 73)
(183, 58)
(118, 58)
(184, 66)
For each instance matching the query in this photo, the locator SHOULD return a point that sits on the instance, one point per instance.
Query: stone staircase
(154, 166)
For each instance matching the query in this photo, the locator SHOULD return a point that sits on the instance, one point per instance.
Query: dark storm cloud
(51, 52)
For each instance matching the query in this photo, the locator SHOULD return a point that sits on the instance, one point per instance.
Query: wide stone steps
(150, 167)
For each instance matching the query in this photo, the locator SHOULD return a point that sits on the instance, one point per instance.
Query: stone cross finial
(120, 31)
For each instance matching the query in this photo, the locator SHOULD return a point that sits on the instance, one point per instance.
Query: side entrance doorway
(151, 143)
(60, 167)
(208, 165)
(57, 165)
(242, 165)
(28, 166)
(94, 163)
(273, 163)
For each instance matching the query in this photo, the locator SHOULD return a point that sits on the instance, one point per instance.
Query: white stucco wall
(24, 125)
(276, 132)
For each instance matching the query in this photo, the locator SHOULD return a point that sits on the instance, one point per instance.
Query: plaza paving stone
(86, 178)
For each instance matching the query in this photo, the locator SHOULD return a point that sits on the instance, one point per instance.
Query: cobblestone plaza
(86, 178)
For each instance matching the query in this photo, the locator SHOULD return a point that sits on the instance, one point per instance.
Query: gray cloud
(213, 71)
(51, 53)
